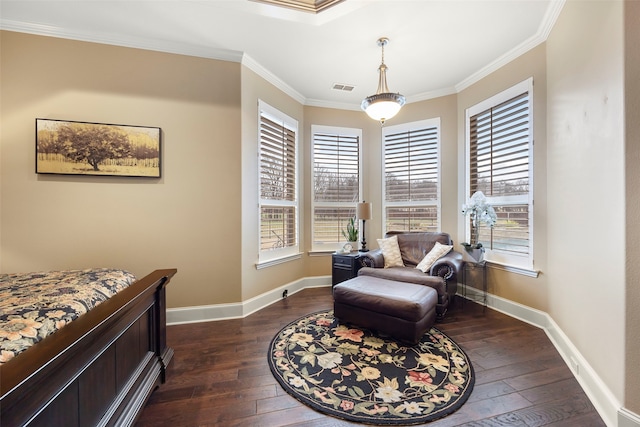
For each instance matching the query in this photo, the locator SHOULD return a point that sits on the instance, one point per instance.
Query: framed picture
(81, 148)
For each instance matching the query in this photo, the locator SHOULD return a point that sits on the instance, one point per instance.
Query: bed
(93, 368)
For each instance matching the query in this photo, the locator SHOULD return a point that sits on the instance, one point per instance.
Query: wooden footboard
(99, 369)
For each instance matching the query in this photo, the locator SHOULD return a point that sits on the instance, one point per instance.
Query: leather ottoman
(404, 311)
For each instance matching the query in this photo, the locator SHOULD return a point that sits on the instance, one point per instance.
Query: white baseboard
(612, 413)
(602, 398)
(608, 407)
(627, 418)
(208, 313)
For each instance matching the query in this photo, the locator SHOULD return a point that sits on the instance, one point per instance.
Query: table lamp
(363, 212)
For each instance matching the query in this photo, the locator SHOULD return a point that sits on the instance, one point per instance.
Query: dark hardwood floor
(219, 375)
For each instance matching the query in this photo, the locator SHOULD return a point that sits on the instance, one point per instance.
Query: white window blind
(412, 176)
(336, 183)
(278, 184)
(500, 146)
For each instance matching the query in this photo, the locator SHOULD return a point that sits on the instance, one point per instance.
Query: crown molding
(555, 7)
(431, 94)
(254, 66)
(550, 18)
(130, 42)
(411, 99)
(544, 30)
(175, 48)
(553, 11)
(332, 104)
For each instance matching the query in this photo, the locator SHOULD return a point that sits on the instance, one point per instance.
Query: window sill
(513, 269)
(321, 253)
(270, 263)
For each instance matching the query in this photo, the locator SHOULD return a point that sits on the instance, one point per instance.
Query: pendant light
(384, 104)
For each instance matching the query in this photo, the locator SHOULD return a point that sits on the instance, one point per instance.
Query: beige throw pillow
(391, 252)
(439, 250)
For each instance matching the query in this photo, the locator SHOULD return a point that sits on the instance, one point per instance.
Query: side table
(474, 275)
(344, 266)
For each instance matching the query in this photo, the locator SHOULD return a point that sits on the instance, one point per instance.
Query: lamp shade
(383, 106)
(363, 211)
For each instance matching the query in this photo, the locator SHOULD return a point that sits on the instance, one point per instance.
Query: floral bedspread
(35, 305)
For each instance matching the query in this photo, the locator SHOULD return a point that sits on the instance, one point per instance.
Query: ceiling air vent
(343, 87)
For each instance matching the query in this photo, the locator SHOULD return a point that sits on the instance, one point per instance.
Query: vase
(476, 253)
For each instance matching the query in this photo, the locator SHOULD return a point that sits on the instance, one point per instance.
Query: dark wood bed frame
(99, 370)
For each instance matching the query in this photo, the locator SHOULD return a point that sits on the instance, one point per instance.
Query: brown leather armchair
(443, 275)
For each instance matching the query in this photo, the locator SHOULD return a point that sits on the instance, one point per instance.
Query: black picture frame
(67, 147)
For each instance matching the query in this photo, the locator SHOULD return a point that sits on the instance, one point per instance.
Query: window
(412, 176)
(500, 152)
(278, 184)
(336, 183)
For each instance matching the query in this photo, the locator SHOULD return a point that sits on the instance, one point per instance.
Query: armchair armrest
(372, 258)
(449, 266)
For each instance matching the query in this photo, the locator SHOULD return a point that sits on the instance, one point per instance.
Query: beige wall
(445, 109)
(45, 219)
(632, 156)
(201, 217)
(532, 292)
(320, 264)
(585, 191)
(254, 281)
(188, 219)
(372, 152)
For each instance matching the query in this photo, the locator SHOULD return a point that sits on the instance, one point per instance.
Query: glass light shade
(383, 106)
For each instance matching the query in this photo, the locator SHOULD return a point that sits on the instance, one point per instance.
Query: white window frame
(271, 256)
(497, 256)
(405, 127)
(333, 130)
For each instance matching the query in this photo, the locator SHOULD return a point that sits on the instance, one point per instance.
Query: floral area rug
(354, 374)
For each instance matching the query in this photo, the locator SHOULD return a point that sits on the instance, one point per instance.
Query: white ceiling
(435, 48)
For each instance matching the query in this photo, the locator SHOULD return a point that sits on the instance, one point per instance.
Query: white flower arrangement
(481, 212)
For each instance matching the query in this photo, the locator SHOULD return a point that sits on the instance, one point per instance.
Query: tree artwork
(92, 144)
(64, 147)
